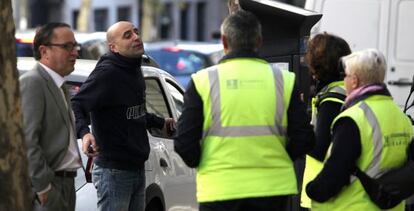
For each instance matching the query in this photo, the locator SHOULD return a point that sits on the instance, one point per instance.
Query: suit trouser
(61, 197)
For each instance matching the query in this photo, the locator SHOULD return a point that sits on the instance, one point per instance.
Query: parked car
(93, 44)
(183, 58)
(24, 42)
(170, 184)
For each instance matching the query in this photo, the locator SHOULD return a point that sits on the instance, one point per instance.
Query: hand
(89, 146)
(169, 126)
(42, 197)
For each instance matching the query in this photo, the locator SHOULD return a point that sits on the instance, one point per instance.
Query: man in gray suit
(48, 119)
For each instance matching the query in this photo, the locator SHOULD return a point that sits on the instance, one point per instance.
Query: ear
(42, 50)
(259, 43)
(112, 48)
(355, 82)
(225, 43)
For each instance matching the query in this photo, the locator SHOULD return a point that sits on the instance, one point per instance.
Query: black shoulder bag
(396, 185)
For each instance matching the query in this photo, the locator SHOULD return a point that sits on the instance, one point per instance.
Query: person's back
(371, 133)
(382, 148)
(240, 109)
(247, 138)
(322, 57)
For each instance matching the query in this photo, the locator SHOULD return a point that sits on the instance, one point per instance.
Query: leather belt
(70, 174)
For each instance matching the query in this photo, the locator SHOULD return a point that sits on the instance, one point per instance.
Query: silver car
(170, 184)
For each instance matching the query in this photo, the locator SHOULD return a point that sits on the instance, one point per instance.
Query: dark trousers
(273, 203)
(61, 197)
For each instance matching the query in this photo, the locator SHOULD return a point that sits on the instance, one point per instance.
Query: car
(93, 45)
(24, 42)
(183, 58)
(170, 184)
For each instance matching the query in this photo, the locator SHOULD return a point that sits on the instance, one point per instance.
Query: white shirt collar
(59, 80)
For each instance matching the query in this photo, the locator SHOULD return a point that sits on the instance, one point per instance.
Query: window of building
(124, 14)
(101, 19)
(166, 21)
(184, 21)
(201, 7)
(75, 14)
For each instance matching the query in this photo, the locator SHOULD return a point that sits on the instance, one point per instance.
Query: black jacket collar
(240, 54)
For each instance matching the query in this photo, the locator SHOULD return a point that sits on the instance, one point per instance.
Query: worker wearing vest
(242, 125)
(322, 57)
(371, 133)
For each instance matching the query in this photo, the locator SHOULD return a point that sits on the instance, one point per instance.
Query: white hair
(369, 65)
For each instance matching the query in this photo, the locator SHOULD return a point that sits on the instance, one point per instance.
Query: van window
(405, 32)
(362, 33)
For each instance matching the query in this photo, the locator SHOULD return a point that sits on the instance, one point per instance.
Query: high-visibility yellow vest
(385, 135)
(312, 165)
(245, 102)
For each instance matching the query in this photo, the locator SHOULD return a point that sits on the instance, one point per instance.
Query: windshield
(179, 62)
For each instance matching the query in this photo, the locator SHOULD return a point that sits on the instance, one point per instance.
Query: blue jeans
(119, 190)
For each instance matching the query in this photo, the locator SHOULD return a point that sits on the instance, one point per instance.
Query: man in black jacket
(114, 95)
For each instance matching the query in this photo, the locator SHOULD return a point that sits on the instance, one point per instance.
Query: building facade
(158, 19)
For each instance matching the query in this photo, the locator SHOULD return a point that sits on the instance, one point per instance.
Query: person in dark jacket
(242, 124)
(370, 133)
(114, 95)
(323, 56)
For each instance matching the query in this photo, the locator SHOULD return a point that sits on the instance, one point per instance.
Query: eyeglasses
(67, 46)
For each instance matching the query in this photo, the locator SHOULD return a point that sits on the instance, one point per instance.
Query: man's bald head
(113, 30)
(123, 38)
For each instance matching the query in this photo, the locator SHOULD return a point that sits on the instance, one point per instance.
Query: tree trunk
(233, 5)
(148, 29)
(83, 17)
(15, 191)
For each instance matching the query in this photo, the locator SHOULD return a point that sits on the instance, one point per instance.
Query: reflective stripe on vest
(216, 128)
(374, 168)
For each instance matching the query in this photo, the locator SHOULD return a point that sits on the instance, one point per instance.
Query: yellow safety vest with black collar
(245, 102)
(333, 92)
(385, 133)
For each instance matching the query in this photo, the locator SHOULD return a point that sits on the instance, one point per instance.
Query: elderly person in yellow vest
(242, 125)
(371, 133)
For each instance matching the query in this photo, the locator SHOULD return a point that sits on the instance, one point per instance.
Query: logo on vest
(245, 84)
(397, 139)
(232, 84)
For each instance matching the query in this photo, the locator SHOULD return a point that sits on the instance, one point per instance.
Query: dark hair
(44, 35)
(242, 30)
(323, 56)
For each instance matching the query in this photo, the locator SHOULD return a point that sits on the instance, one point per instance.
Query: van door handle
(163, 163)
(401, 82)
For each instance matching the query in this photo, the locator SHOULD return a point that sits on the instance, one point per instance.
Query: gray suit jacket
(46, 125)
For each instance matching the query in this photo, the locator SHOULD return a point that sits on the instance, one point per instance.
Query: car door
(164, 97)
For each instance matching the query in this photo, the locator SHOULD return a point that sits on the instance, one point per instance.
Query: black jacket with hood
(114, 96)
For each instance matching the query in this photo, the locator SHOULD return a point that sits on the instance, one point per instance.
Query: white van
(383, 24)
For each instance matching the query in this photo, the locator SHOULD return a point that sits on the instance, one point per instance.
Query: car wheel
(154, 205)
